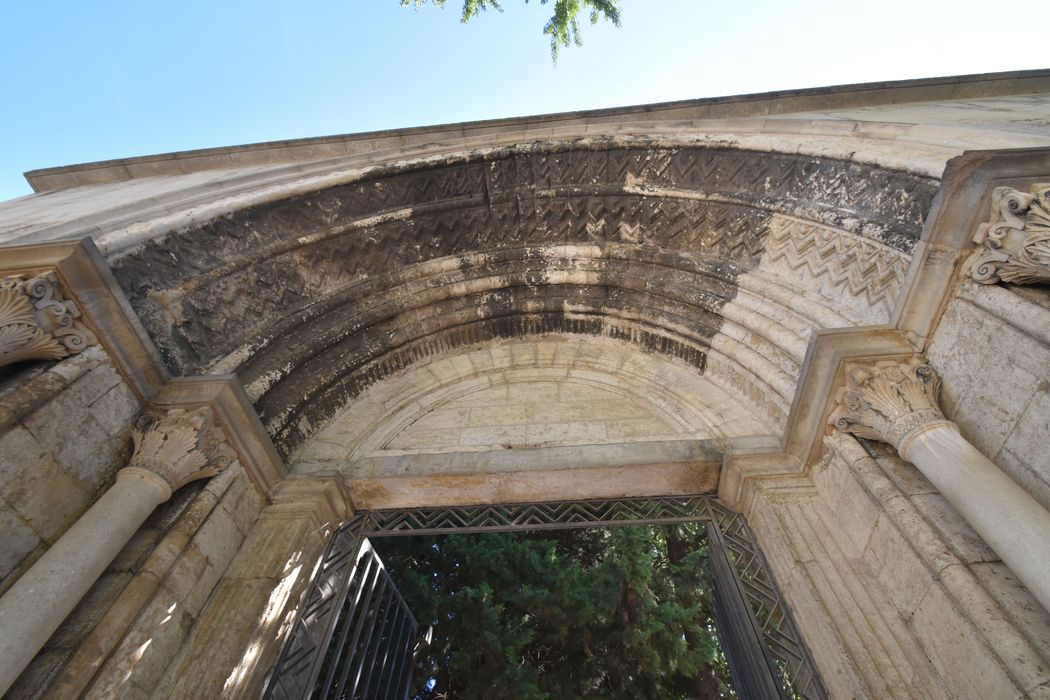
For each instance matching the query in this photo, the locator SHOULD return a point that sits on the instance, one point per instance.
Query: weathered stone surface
(1021, 609)
(116, 410)
(535, 392)
(240, 628)
(92, 607)
(19, 541)
(419, 258)
(953, 646)
(76, 440)
(19, 452)
(143, 655)
(47, 498)
(1001, 406)
(218, 539)
(90, 388)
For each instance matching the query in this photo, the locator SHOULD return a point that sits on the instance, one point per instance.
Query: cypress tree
(613, 613)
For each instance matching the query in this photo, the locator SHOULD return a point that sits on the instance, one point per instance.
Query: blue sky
(95, 80)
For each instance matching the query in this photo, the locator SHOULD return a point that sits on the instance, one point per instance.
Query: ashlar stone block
(66, 428)
(956, 650)
(116, 410)
(17, 542)
(47, 498)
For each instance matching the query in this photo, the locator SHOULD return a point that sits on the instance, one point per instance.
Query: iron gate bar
(754, 674)
(344, 614)
(375, 640)
(363, 627)
(300, 661)
(357, 616)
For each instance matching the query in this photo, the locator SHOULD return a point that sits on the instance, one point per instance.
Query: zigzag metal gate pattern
(296, 670)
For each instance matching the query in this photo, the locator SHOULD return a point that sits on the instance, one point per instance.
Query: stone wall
(535, 392)
(894, 593)
(992, 350)
(122, 635)
(63, 435)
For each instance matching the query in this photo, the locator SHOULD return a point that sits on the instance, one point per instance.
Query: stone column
(170, 451)
(896, 402)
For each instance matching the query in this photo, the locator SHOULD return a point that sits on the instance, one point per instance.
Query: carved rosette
(887, 401)
(180, 446)
(37, 323)
(1016, 242)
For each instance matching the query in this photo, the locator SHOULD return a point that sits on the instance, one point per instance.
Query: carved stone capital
(1016, 242)
(180, 446)
(887, 401)
(37, 322)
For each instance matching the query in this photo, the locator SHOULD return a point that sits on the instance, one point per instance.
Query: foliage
(563, 27)
(620, 613)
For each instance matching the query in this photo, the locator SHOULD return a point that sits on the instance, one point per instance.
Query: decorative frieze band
(37, 322)
(179, 446)
(839, 263)
(1016, 242)
(888, 401)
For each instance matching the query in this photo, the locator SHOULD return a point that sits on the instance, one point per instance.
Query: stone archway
(720, 258)
(712, 282)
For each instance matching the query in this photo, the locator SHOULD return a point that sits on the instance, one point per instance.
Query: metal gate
(325, 656)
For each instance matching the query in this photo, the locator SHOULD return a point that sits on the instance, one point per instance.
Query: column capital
(888, 401)
(179, 446)
(1014, 246)
(37, 322)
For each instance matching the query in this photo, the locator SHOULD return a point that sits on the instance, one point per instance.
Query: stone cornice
(89, 289)
(958, 209)
(1014, 246)
(235, 416)
(763, 104)
(37, 322)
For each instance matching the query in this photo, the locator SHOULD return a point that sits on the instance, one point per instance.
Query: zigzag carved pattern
(507, 199)
(844, 262)
(714, 230)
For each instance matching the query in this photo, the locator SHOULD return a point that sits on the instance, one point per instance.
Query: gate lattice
(762, 642)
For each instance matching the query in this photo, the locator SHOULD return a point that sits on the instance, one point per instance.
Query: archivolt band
(354, 637)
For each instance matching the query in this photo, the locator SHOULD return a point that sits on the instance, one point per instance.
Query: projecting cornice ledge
(823, 374)
(235, 416)
(830, 353)
(1014, 241)
(72, 298)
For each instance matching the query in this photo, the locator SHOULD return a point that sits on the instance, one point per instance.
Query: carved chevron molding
(841, 262)
(37, 322)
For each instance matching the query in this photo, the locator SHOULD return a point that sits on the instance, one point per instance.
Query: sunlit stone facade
(830, 308)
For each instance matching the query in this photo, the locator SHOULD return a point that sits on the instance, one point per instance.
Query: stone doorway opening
(765, 651)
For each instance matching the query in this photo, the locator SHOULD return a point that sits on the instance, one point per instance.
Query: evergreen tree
(618, 613)
(563, 27)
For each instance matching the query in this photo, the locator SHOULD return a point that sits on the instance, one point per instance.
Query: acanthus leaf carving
(1016, 242)
(37, 323)
(886, 401)
(180, 446)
